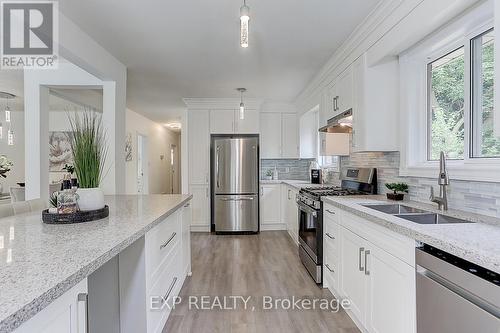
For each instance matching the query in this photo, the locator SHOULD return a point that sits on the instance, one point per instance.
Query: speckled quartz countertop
(298, 184)
(39, 262)
(476, 242)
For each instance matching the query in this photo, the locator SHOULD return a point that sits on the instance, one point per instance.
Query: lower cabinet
(379, 284)
(290, 212)
(67, 314)
(270, 200)
(200, 208)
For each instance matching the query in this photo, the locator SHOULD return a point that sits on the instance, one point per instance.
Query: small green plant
(397, 187)
(69, 168)
(53, 199)
(269, 173)
(88, 144)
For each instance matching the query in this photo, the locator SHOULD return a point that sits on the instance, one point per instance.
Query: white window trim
(414, 113)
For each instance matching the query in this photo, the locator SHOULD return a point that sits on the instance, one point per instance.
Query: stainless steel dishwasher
(454, 295)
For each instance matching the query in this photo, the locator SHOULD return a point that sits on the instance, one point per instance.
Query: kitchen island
(39, 263)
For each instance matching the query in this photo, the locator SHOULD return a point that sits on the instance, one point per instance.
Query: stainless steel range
(355, 181)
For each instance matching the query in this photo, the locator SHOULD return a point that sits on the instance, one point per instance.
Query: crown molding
(222, 103)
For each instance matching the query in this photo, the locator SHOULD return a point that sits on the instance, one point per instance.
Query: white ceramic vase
(90, 198)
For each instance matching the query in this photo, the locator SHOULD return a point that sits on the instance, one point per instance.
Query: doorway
(174, 169)
(142, 164)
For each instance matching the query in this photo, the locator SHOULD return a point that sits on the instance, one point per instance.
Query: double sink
(415, 215)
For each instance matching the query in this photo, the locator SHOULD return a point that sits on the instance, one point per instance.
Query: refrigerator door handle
(217, 166)
(237, 199)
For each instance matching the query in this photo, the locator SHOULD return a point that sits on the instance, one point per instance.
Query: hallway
(251, 265)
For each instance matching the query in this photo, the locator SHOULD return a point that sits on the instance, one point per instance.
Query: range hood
(341, 123)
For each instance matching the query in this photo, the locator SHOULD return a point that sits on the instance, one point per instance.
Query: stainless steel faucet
(443, 181)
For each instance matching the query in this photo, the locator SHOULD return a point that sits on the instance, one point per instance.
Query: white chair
(21, 207)
(6, 210)
(17, 194)
(37, 205)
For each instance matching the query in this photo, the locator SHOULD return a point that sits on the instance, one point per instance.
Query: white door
(199, 146)
(200, 208)
(142, 164)
(250, 123)
(270, 135)
(289, 136)
(269, 203)
(353, 282)
(222, 121)
(345, 91)
(174, 169)
(391, 293)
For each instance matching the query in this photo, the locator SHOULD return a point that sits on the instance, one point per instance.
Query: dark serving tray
(77, 217)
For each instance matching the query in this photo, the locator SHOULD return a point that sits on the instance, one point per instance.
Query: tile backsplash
(296, 169)
(476, 197)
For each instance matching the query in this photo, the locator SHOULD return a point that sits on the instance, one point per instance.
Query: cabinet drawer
(330, 269)
(165, 288)
(330, 213)
(159, 242)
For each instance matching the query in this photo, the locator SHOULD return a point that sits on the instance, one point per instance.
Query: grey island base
(51, 274)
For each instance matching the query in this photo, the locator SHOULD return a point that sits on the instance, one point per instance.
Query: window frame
(414, 96)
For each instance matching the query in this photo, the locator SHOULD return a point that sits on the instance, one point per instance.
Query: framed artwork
(128, 148)
(60, 152)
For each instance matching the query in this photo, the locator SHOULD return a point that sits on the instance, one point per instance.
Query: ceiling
(190, 48)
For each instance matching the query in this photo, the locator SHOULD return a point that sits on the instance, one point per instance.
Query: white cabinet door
(250, 124)
(293, 215)
(289, 136)
(391, 297)
(331, 97)
(222, 121)
(199, 146)
(344, 91)
(270, 135)
(352, 280)
(270, 201)
(186, 238)
(200, 208)
(308, 135)
(67, 314)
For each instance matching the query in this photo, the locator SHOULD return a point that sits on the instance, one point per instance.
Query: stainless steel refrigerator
(235, 183)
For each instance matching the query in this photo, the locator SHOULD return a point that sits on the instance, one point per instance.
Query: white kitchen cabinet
(375, 106)
(200, 208)
(290, 211)
(199, 146)
(308, 134)
(289, 136)
(344, 90)
(186, 238)
(496, 108)
(229, 122)
(391, 299)
(327, 107)
(250, 124)
(67, 314)
(270, 135)
(222, 121)
(270, 201)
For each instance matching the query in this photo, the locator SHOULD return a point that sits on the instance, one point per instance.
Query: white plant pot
(90, 198)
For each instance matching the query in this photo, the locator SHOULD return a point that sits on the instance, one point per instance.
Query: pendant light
(1, 131)
(244, 18)
(10, 134)
(242, 105)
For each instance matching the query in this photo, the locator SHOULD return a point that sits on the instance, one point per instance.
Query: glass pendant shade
(244, 18)
(242, 111)
(1, 131)
(10, 138)
(7, 115)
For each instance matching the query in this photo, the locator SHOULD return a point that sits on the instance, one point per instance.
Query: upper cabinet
(279, 135)
(375, 106)
(198, 146)
(308, 131)
(229, 122)
(337, 97)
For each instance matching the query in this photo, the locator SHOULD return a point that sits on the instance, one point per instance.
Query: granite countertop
(40, 262)
(477, 242)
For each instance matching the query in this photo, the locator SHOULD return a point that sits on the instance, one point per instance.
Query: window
(446, 102)
(483, 143)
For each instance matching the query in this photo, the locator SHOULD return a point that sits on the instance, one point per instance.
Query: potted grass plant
(398, 191)
(88, 143)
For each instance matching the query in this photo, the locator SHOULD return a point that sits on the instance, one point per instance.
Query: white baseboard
(272, 226)
(200, 228)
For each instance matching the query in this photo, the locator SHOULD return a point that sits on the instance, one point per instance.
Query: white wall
(159, 141)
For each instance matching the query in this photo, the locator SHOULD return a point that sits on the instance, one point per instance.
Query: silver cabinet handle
(82, 297)
(329, 268)
(288, 195)
(330, 236)
(187, 205)
(167, 294)
(330, 211)
(367, 272)
(162, 246)
(361, 249)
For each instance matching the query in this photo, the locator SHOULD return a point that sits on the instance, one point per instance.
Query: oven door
(310, 231)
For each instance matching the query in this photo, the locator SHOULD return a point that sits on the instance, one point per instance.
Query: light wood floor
(252, 265)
